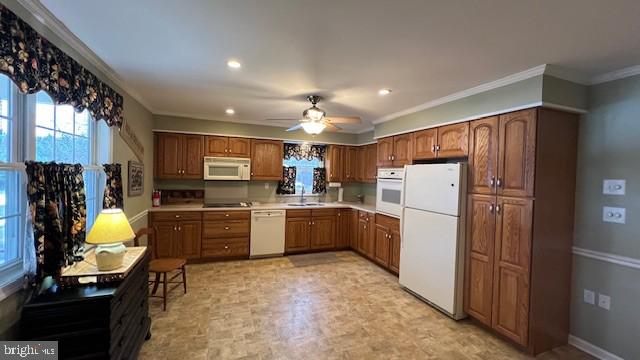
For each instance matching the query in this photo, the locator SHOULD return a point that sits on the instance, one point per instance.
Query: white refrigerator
(433, 235)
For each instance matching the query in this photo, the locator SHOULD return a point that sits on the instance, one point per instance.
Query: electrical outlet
(614, 215)
(614, 187)
(589, 297)
(266, 185)
(604, 301)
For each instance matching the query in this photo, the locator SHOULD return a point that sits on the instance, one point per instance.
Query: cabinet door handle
(498, 209)
(226, 247)
(179, 228)
(338, 214)
(492, 182)
(177, 216)
(309, 223)
(251, 174)
(433, 148)
(499, 182)
(491, 207)
(226, 228)
(365, 227)
(175, 228)
(226, 215)
(437, 147)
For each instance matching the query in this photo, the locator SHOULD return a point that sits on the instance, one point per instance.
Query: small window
(6, 118)
(304, 172)
(10, 217)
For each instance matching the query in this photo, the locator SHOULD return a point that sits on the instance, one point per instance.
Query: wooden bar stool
(161, 267)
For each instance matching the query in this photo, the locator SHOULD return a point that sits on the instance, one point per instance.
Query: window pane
(64, 148)
(82, 124)
(44, 110)
(304, 172)
(9, 241)
(82, 150)
(44, 144)
(5, 96)
(4, 140)
(64, 118)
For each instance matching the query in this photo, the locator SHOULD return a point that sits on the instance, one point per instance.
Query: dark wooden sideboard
(109, 321)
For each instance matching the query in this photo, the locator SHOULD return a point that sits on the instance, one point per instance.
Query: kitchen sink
(305, 204)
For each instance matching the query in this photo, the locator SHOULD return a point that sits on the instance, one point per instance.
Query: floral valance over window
(304, 151)
(35, 64)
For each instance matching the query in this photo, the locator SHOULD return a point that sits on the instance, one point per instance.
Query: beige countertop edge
(265, 206)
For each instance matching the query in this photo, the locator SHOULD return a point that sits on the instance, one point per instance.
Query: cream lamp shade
(110, 227)
(109, 231)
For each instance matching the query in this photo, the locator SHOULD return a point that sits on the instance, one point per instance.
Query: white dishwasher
(267, 233)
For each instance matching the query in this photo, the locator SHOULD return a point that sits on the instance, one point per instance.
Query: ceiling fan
(314, 119)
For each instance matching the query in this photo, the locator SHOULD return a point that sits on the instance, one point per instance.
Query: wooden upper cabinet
(335, 163)
(178, 156)
(216, 145)
(227, 146)
(193, 165)
(480, 253)
(516, 153)
(266, 159)
(402, 150)
(298, 234)
(483, 155)
(453, 140)
(361, 163)
(424, 144)
(512, 271)
(350, 164)
(385, 150)
(371, 168)
(239, 147)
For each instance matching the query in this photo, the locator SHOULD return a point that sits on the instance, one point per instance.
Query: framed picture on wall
(136, 178)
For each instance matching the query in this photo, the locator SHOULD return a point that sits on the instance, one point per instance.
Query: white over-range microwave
(226, 168)
(389, 191)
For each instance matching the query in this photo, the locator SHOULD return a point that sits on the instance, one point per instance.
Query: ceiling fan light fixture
(383, 92)
(313, 127)
(313, 113)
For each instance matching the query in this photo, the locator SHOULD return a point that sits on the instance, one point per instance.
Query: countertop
(266, 206)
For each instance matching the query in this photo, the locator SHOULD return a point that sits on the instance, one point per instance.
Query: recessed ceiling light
(234, 64)
(230, 111)
(384, 92)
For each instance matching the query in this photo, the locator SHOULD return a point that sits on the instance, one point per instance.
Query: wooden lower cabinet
(311, 230)
(226, 234)
(353, 229)
(177, 234)
(366, 234)
(343, 229)
(387, 242)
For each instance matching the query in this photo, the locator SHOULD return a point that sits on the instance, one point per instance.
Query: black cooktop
(225, 205)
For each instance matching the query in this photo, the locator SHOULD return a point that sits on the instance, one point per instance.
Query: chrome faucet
(302, 195)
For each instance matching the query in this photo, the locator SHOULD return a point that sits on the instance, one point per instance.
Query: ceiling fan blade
(331, 127)
(344, 119)
(291, 119)
(294, 128)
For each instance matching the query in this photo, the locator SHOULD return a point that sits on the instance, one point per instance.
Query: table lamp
(109, 232)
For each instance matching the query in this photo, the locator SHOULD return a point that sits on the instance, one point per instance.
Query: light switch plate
(614, 187)
(614, 215)
(589, 297)
(604, 301)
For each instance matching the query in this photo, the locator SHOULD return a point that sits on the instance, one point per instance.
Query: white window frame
(22, 130)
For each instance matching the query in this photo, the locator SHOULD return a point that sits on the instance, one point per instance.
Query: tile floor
(320, 306)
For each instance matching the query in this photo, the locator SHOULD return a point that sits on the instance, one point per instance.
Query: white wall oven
(389, 191)
(226, 168)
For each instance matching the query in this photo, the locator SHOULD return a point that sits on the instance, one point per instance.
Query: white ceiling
(174, 53)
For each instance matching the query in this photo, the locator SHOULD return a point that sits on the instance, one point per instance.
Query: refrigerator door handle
(401, 227)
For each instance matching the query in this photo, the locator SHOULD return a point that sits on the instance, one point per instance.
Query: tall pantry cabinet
(522, 169)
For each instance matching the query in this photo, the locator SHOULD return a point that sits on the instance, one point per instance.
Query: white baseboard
(138, 216)
(591, 349)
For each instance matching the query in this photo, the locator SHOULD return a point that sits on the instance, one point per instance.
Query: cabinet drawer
(173, 216)
(324, 212)
(298, 213)
(226, 215)
(391, 223)
(225, 247)
(226, 229)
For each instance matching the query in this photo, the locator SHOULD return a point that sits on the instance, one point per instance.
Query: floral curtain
(288, 183)
(319, 180)
(304, 151)
(35, 64)
(57, 206)
(113, 194)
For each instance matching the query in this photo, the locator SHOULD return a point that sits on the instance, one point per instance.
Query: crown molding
(616, 75)
(240, 121)
(513, 78)
(50, 21)
(288, 140)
